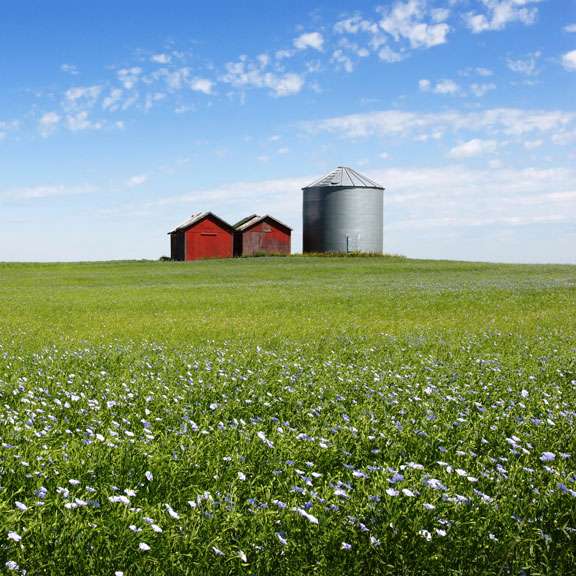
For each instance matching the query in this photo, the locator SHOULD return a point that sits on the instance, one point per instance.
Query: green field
(287, 416)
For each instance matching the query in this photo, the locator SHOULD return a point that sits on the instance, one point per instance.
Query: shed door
(208, 241)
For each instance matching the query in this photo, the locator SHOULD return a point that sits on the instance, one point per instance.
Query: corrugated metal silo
(343, 212)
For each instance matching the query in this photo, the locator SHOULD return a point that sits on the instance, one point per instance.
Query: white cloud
(344, 60)
(129, 77)
(425, 85)
(347, 52)
(80, 121)
(49, 119)
(48, 123)
(69, 69)
(281, 54)
(11, 125)
(500, 13)
(161, 58)
(570, 28)
(447, 87)
(406, 20)
(569, 60)
(410, 24)
(263, 60)
(480, 71)
(137, 180)
(245, 74)
(443, 87)
(202, 85)
(174, 79)
(313, 40)
(184, 108)
(479, 90)
(153, 98)
(473, 148)
(285, 85)
(526, 65)
(113, 100)
(354, 25)
(81, 97)
(386, 54)
(533, 144)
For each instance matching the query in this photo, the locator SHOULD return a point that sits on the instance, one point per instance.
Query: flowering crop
(133, 457)
(402, 453)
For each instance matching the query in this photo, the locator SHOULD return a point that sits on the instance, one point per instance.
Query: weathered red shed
(261, 234)
(204, 235)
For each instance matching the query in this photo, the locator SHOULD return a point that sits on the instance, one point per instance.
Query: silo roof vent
(345, 177)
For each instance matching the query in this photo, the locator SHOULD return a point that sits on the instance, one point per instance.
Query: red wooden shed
(261, 234)
(204, 235)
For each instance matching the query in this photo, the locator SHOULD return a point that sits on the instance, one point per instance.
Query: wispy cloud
(161, 58)
(473, 148)
(114, 100)
(260, 73)
(533, 144)
(137, 180)
(391, 33)
(479, 90)
(445, 86)
(38, 192)
(508, 121)
(81, 96)
(526, 65)
(455, 196)
(129, 77)
(498, 14)
(69, 69)
(274, 190)
(81, 121)
(398, 29)
(47, 123)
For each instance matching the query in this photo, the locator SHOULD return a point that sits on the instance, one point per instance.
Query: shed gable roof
(253, 220)
(344, 177)
(198, 218)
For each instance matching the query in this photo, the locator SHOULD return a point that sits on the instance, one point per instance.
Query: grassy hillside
(287, 416)
(277, 298)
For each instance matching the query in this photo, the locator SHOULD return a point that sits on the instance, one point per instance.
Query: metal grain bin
(343, 212)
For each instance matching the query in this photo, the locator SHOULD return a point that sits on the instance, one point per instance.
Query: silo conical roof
(344, 177)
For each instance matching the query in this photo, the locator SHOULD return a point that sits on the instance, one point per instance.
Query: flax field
(293, 415)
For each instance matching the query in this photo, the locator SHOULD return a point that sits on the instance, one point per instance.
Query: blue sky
(121, 118)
